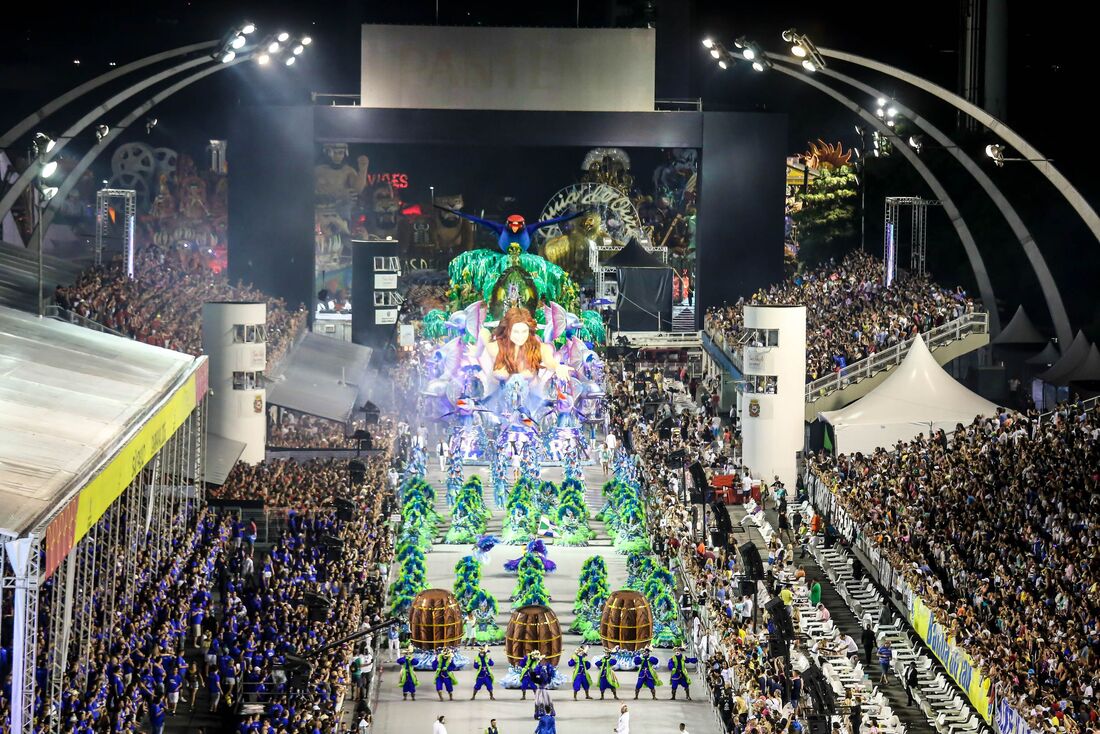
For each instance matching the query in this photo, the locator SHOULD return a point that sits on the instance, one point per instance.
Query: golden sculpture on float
(570, 251)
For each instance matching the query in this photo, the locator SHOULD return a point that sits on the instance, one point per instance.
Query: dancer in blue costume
(444, 676)
(482, 663)
(581, 679)
(546, 725)
(530, 662)
(678, 665)
(408, 675)
(542, 676)
(608, 680)
(537, 547)
(647, 673)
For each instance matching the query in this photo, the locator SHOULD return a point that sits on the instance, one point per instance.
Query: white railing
(971, 323)
(62, 314)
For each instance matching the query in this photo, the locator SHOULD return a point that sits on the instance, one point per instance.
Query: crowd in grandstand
(162, 303)
(746, 687)
(221, 622)
(850, 313)
(295, 430)
(997, 528)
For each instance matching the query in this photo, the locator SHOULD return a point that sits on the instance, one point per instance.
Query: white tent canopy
(917, 397)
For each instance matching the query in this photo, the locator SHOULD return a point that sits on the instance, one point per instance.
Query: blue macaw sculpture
(514, 229)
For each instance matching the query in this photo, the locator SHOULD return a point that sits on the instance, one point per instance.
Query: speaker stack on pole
(784, 634)
(820, 692)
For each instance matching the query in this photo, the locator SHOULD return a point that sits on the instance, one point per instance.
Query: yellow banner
(106, 486)
(959, 665)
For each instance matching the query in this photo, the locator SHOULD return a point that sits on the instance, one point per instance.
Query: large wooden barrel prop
(533, 627)
(435, 620)
(627, 620)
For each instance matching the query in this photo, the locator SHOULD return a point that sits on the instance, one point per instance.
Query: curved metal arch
(49, 211)
(30, 172)
(58, 102)
(997, 127)
(1047, 284)
(977, 264)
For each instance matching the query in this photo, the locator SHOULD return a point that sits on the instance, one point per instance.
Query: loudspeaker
(781, 618)
(819, 690)
(777, 647)
(718, 538)
(698, 476)
(358, 471)
(371, 413)
(345, 508)
(819, 725)
(748, 587)
(751, 564)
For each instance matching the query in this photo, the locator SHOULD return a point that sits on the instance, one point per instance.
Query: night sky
(1048, 86)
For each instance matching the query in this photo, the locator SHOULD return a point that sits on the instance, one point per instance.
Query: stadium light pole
(86, 161)
(24, 125)
(30, 172)
(1047, 284)
(974, 256)
(1028, 152)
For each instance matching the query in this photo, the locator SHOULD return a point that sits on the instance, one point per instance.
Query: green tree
(825, 226)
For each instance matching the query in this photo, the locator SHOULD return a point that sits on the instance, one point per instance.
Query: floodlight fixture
(306, 40)
(715, 53)
(298, 49)
(722, 64)
(49, 169)
(756, 65)
(101, 132)
(228, 56)
(263, 59)
(248, 28)
(880, 112)
(48, 192)
(150, 123)
(891, 111)
(273, 47)
(282, 37)
(997, 153)
(290, 60)
(237, 42)
(42, 143)
(708, 43)
(802, 47)
(916, 142)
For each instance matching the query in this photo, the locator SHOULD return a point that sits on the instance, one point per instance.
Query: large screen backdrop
(708, 186)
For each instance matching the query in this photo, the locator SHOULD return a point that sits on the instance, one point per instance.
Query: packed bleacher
(850, 313)
(295, 430)
(223, 620)
(162, 303)
(996, 528)
(746, 687)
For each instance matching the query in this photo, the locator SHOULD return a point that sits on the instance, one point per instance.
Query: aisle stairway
(842, 617)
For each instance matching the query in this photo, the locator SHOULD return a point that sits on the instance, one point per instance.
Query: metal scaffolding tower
(918, 234)
(108, 219)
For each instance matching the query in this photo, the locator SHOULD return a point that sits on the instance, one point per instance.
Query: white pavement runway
(514, 715)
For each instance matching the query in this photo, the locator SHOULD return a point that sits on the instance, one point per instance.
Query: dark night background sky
(1049, 82)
